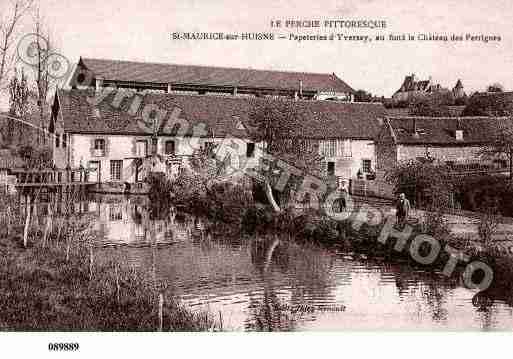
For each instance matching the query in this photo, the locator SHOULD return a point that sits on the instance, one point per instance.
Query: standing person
(344, 192)
(403, 210)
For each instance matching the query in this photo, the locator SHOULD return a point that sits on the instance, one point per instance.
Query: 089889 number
(63, 346)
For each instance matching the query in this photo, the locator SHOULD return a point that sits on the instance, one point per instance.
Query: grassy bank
(224, 204)
(55, 284)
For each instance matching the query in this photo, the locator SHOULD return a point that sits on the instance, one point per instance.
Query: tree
(8, 31)
(34, 157)
(495, 87)
(278, 124)
(489, 104)
(42, 79)
(461, 101)
(19, 104)
(435, 105)
(502, 143)
(426, 182)
(363, 96)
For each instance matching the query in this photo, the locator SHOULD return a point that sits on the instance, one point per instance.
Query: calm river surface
(274, 284)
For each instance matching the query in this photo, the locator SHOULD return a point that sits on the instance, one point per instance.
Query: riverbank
(364, 228)
(55, 284)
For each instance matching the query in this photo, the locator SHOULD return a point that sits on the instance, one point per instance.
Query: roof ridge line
(207, 66)
(231, 97)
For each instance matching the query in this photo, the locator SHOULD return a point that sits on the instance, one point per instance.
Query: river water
(271, 283)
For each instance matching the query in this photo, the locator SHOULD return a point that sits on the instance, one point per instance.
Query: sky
(140, 30)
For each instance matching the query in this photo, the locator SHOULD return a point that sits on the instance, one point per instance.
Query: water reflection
(272, 284)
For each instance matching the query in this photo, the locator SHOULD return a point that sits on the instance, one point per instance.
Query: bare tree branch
(8, 27)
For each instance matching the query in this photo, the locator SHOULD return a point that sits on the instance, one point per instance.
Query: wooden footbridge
(51, 179)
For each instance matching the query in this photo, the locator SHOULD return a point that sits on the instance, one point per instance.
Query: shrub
(488, 225)
(473, 192)
(435, 224)
(425, 183)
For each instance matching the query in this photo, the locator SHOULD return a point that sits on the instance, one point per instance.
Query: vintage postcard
(263, 166)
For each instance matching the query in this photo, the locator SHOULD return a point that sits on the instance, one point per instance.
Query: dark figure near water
(403, 209)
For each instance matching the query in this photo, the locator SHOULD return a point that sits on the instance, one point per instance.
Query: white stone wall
(348, 162)
(120, 147)
(450, 153)
(342, 96)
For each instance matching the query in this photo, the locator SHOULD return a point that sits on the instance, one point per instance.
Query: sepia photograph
(226, 167)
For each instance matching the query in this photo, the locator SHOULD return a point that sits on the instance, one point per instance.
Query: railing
(50, 177)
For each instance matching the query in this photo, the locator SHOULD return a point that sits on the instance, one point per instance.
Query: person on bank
(344, 193)
(402, 209)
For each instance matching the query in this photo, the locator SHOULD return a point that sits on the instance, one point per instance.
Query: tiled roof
(454, 111)
(410, 84)
(220, 114)
(442, 130)
(115, 70)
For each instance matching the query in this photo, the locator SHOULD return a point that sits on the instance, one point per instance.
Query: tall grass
(55, 284)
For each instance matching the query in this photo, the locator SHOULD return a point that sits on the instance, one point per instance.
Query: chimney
(169, 88)
(300, 88)
(99, 84)
(459, 130)
(459, 135)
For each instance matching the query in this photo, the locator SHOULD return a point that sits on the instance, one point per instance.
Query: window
(115, 213)
(170, 147)
(250, 149)
(99, 147)
(331, 168)
(116, 167)
(154, 143)
(328, 148)
(99, 144)
(57, 140)
(64, 140)
(366, 166)
(140, 148)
